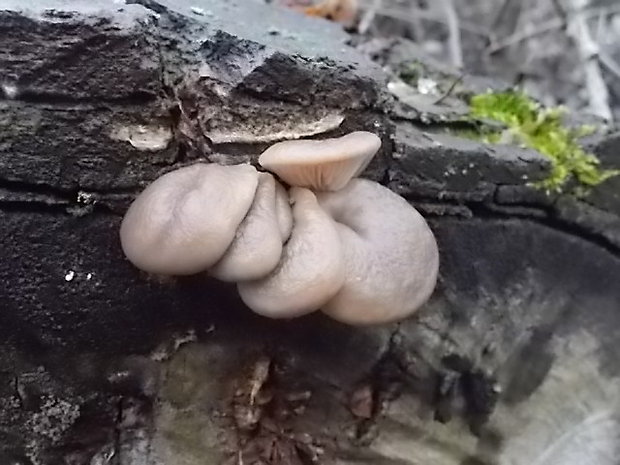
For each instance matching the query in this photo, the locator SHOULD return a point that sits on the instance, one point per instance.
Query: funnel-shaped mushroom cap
(310, 271)
(390, 254)
(184, 221)
(257, 246)
(322, 165)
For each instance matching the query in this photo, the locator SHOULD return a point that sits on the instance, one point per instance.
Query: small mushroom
(183, 222)
(390, 254)
(257, 246)
(321, 165)
(311, 269)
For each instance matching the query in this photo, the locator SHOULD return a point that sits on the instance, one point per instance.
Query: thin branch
(408, 15)
(450, 90)
(523, 35)
(600, 28)
(454, 34)
(588, 52)
(418, 31)
(609, 63)
(502, 11)
(547, 26)
(505, 19)
(559, 9)
(369, 16)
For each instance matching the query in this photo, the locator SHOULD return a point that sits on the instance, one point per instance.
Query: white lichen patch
(165, 350)
(54, 417)
(427, 86)
(296, 130)
(10, 91)
(86, 198)
(142, 137)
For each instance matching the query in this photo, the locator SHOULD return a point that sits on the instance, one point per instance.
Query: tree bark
(513, 361)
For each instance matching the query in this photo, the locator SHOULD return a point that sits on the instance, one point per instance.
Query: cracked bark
(520, 329)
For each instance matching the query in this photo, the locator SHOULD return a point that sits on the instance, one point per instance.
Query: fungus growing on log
(321, 165)
(183, 222)
(284, 214)
(311, 269)
(390, 253)
(257, 244)
(356, 250)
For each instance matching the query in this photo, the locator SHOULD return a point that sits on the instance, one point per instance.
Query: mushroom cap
(310, 271)
(284, 214)
(184, 221)
(257, 246)
(390, 254)
(321, 165)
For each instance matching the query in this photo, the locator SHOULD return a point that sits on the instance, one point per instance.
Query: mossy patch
(527, 123)
(412, 71)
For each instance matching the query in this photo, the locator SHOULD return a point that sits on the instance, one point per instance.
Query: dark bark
(513, 360)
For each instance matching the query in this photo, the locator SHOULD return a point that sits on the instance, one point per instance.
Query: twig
(505, 19)
(588, 52)
(559, 9)
(406, 16)
(447, 93)
(369, 16)
(600, 26)
(418, 31)
(501, 13)
(454, 34)
(547, 26)
(523, 35)
(609, 63)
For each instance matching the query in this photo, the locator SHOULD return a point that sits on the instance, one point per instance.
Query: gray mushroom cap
(321, 165)
(284, 214)
(310, 271)
(390, 254)
(257, 246)
(184, 221)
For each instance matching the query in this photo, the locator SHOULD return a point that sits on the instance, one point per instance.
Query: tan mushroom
(284, 214)
(390, 254)
(257, 246)
(183, 222)
(310, 271)
(321, 165)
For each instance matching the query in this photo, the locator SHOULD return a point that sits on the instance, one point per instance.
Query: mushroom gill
(321, 165)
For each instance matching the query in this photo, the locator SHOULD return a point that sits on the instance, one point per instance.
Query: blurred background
(562, 52)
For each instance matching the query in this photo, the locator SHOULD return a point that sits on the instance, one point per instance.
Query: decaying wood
(513, 360)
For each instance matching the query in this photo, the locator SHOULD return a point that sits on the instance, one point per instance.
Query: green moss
(542, 129)
(411, 71)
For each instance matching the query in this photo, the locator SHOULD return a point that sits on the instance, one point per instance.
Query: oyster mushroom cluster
(331, 242)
